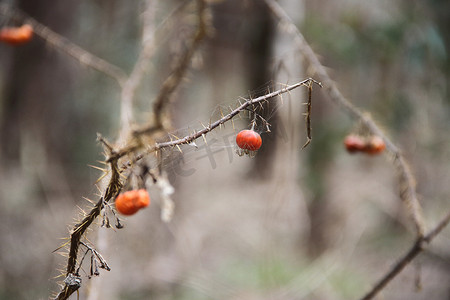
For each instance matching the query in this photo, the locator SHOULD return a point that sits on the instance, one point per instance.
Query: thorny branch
(192, 137)
(80, 228)
(62, 43)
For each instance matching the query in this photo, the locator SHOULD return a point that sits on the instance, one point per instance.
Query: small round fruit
(248, 140)
(16, 35)
(130, 202)
(375, 145)
(354, 143)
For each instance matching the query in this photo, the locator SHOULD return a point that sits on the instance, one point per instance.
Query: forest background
(317, 223)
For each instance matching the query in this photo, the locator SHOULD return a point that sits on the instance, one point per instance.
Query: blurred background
(317, 223)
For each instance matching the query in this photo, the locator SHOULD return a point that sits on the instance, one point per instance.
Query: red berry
(130, 202)
(248, 140)
(375, 145)
(354, 143)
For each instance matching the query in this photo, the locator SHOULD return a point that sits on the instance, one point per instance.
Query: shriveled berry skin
(16, 35)
(249, 140)
(354, 143)
(130, 202)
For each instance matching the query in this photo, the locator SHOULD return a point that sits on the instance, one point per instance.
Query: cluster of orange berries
(16, 35)
(372, 145)
(130, 202)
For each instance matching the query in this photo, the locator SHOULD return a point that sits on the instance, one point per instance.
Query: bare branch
(407, 182)
(415, 250)
(63, 44)
(407, 186)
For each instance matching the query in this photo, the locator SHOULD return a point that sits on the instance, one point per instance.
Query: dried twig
(98, 256)
(415, 250)
(407, 182)
(63, 44)
(308, 113)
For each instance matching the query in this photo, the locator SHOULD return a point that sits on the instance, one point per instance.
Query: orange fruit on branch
(374, 145)
(16, 35)
(249, 140)
(130, 202)
(354, 143)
